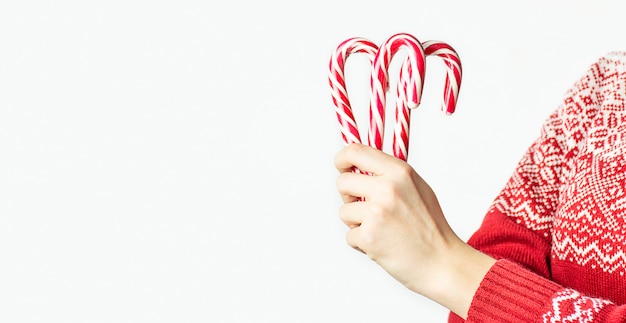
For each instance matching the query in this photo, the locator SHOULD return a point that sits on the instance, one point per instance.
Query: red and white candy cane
(409, 90)
(404, 104)
(454, 72)
(336, 78)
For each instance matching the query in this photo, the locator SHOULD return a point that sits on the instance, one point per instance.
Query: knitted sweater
(558, 227)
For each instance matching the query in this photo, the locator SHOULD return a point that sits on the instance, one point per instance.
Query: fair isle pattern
(532, 194)
(570, 306)
(590, 226)
(570, 186)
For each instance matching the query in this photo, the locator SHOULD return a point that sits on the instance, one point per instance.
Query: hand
(400, 226)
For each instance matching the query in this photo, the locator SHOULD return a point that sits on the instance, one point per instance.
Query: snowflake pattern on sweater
(570, 306)
(558, 227)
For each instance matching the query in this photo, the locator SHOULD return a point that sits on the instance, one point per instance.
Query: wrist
(456, 281)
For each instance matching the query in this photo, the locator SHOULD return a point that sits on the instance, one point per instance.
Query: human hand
(400, 226)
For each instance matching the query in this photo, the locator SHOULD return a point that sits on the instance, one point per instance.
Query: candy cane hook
(409, 91)
(453, 74)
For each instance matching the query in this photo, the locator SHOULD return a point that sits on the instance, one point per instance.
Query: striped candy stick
(402, 113)
(409, 90)
(454, 72)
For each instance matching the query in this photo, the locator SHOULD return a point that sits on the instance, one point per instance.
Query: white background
(171, 161)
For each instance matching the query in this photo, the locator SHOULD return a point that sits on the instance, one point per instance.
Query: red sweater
(558, 227)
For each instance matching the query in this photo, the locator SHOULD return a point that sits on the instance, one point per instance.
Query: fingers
(365, 158)
(355, 185)
(352, 214)
(352, 186)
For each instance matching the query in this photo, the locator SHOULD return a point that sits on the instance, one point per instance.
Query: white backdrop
(171, 161)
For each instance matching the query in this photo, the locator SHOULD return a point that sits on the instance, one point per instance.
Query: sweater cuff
(511, 293)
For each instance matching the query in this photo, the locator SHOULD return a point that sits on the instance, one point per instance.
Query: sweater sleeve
(511, 293)
(517, 227)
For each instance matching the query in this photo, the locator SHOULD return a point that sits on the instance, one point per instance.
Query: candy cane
(410, 84)
(336, 79)
(453, 75)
